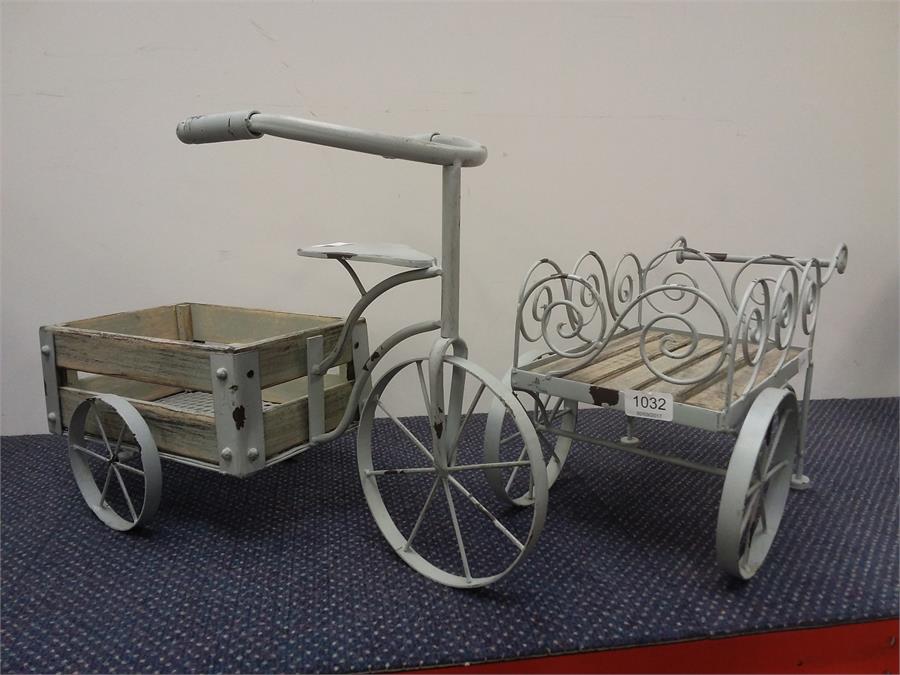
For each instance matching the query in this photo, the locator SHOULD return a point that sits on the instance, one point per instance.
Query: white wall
(750, 127)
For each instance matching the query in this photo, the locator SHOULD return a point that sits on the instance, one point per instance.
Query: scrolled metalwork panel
(575, 315)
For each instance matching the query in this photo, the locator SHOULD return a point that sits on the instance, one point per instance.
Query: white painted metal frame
(766, 318)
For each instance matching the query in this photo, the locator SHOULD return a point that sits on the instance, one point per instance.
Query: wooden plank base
(621, 366)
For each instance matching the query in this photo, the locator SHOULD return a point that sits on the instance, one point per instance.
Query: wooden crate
(164, 360)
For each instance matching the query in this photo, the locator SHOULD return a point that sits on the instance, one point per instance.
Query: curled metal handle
(428, 148)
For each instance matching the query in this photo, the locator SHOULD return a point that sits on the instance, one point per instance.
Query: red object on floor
(849, 648)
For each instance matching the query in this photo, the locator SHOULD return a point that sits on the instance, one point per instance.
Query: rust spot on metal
(718, 256)
(355, 345)
(233, 388)
(544, 260)
(239, 415)
(375, 356)
(602, 395)
(438, 428)
(249, 373)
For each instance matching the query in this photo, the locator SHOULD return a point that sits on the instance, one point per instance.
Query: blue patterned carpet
(286, 571)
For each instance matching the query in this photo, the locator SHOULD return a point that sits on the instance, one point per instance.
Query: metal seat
(400, 255)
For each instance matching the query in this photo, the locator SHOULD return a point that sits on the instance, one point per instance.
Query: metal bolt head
(221, 373)
(252, 454)
(227, 454)
(51, 416)
(45, 350)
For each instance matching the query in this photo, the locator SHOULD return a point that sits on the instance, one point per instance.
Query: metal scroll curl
(672, 347)
(617, 289)
(767, 319)
(567, 319)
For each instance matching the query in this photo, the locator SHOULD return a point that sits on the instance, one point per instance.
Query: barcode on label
(649, 405)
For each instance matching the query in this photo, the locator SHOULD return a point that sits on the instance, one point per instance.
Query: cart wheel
(424, 477)
(503, 443)
(115, 461)
(757, 482)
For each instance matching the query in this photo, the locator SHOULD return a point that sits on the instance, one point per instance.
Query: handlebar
(428, 148)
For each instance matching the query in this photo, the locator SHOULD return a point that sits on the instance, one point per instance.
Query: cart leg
(799, 480)
(629, 438)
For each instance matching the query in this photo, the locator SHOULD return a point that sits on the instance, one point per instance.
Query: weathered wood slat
(616, 346)
(157, 322)
(143, 391)
(236, 325)
(713, 396)
(168, 362)
(610, 366)
(283, 393)
(284, 358)
(638, 376)
(176, 431)
(287, 425)
(698, 367)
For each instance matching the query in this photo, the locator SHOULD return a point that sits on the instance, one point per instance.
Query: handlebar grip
(231, 126)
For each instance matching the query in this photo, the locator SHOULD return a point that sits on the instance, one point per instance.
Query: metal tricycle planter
(635, 341)
(235, 390)
(460, 496)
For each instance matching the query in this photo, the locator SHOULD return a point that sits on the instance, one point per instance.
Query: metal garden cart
(657, 340)
(235, 390)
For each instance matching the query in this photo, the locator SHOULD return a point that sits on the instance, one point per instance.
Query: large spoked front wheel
(503, 443)
(424, 478)
(115, 461)
(757, 482)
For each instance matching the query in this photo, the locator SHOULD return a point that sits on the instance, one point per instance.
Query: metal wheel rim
(389, 529)
(92, 493)
(751, 509)
(563, 410)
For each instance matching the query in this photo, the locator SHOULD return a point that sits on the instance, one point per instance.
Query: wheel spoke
(469, 412)
(93, 454)
(773, 445)
(119, 439)
(776, 469)
(102, 430)
(424, 391)
(555, 414)
(105, 486)
(512, 474)
(132, 469)
(510, 437)
(762, 515)
(459, 540)
(750, 511)
(487, 465)
(125, 493)
(409, 434)
(421, 517)
(481, 507)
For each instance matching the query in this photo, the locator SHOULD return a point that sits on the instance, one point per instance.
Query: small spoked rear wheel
(115, 461)
(757, 483)
(424, 477)
(503, 443)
